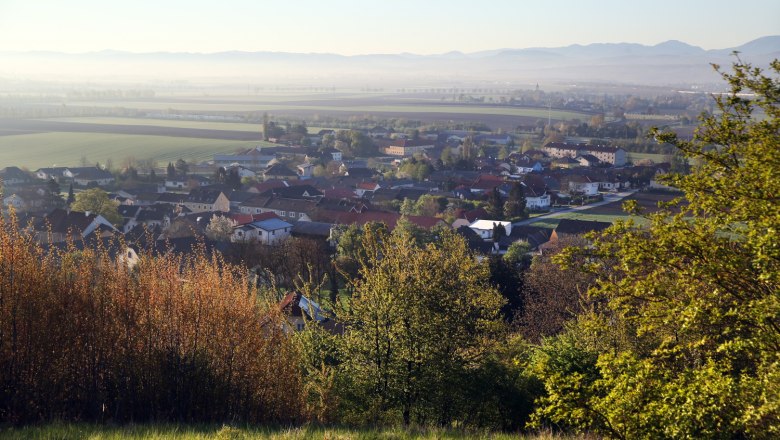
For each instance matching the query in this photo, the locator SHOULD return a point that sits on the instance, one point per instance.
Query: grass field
(400, 109)
(195, 432)
(656, 158)
(206, 125)
(611, 212)
(66, 149)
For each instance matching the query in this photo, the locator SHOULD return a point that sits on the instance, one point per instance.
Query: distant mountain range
(668, 63)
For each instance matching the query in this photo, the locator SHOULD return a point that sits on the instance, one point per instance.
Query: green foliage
(398, 365)
(696, 292)
(517, 254)
(427, 205)
(414, 169)
(96, 200)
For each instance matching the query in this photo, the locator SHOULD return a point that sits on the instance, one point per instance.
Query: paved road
(608, 198)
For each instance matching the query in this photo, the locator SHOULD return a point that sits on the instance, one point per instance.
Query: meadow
(611, 212)
(656, 158)
(207, 432)
(174, 123)
(66, 149)
(354, 106)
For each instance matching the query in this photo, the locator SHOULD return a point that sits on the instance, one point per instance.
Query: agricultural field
(67, 148)
(172, 123)
(611, 212)
(400, 110)
(656, 158)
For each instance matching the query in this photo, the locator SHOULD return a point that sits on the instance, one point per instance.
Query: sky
(351, 27)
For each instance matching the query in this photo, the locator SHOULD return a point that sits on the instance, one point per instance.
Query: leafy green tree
(96, 201)
(696, 292)
(418, 322)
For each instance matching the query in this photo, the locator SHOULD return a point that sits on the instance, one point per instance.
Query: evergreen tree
(71, 196)
(495, 206)
(171, 171)
(515, 206)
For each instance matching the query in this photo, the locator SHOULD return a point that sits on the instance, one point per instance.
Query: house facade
(206, 200)
(268, 232)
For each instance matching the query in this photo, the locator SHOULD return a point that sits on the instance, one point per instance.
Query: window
(300, 327)
(257, 211)
(283, 213)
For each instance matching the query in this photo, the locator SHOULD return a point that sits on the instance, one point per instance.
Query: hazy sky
(369, 26)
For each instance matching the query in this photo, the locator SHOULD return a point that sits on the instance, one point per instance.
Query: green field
(656, 158)
(66, 149)
(203, 125)
(198, 432)
(609, 218)
(411, 109)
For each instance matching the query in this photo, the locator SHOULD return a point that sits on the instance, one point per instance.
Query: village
(312, 186)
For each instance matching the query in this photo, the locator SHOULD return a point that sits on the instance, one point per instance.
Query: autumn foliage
(85, 337)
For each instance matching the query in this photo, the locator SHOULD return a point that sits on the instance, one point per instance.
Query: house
(305, 171)
(279, 171)
(535, 199)
(313, 231)
(583, 185)
(614, 156)
(268, 232)
(333, 153)
(465, 218)
(253, 159)
(50, 173)
(494, 139)
(569, 227)
(245, 219)
(565, 163)
(243, 172)
(301, 209)
(587, 160)
(486, 183)
(484, 228)
(206, 200)
(89, 176)
(298, 310)
(378, 132)
(294, 192)
(366, 187)
(61, 225)
(359, 172)
(182, 182)
(11, 176)
(407, 147)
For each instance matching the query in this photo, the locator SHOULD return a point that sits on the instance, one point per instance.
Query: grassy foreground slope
(197, 432)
